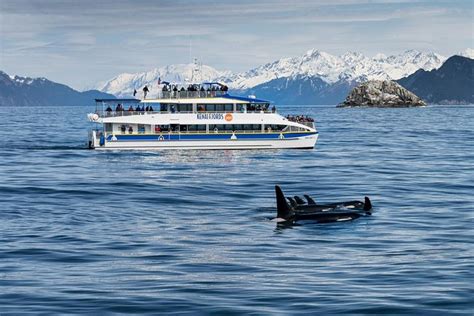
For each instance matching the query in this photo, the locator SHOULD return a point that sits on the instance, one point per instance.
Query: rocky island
(381, 93)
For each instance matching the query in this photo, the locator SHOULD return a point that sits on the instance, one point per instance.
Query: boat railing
(190, 94)
(198, 132)
(130, 113)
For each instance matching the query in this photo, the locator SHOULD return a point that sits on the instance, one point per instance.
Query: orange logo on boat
(228, 117)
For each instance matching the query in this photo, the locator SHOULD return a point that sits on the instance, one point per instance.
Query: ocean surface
(155, 232)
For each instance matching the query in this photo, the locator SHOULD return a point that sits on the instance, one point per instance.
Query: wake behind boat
(198, 116)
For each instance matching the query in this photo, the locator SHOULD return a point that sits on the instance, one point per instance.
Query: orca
(321, 213)
(299, 200)
(309, 199)
(292, 202)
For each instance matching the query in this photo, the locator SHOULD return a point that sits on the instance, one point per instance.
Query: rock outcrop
(381, 93)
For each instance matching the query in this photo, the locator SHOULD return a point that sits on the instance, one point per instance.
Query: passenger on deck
(130, 129)
(134, 92)
(273, 109)
(173, 108)
(200, 108)
(123, 128)
(151, 109)
(130, 109)
(108, 110)
(119, 108)
(138, 108)
(216, 130)
(145, 91)
(147, 108)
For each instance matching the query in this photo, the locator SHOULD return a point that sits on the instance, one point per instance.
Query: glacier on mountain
(350, 67)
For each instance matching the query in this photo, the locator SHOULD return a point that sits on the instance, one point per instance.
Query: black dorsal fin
(299, 200)
(283, 209)
(292, 202)
(310, 200)
(367, 204)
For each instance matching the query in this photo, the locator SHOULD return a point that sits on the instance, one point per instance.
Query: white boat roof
(214, 100)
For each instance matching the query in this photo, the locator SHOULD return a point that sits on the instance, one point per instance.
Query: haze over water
(188, 231)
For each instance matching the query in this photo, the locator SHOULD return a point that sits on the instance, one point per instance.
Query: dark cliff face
(452, 83)
(24, 91)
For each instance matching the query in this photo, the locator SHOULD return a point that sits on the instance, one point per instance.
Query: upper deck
(194, 104)
(193, 99)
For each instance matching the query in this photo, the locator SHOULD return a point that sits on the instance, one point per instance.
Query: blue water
(189, 231)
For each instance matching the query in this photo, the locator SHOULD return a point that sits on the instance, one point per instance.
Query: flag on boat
(159, 80)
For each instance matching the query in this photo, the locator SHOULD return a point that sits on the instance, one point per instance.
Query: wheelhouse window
(216, 108)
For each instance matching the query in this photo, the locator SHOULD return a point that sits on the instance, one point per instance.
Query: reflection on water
(164, 231)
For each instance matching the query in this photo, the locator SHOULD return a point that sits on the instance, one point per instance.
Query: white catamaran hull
(295, 143)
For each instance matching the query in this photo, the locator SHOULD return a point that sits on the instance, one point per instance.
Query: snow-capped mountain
(25, 91)
(468, 52)
(314, 63)
(346, 69)
(349, 66)
(124, 84)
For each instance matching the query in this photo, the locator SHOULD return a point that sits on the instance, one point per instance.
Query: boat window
(217, 107)
(108, 128)
(185, 107)
(210, 107)
(196, 128)
(164, 107)
(162, 128)
(275, 128)
(141, 128)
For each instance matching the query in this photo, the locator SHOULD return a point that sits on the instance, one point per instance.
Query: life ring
(93, 117)
(161, 138)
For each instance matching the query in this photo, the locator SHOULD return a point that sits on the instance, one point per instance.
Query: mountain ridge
(350, 66)
(452, 83)
(26, 91)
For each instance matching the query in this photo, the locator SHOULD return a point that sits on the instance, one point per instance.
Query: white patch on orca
(325, 209)
(278, 220)
(350, 206)
(343, 219)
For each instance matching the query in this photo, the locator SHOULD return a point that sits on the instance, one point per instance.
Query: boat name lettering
(210, 116)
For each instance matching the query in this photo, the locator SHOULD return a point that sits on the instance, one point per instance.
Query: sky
(82, 42)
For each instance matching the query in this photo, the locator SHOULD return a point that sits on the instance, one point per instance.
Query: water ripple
(147, 232)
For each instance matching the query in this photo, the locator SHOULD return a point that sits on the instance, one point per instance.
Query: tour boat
(198, 116)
